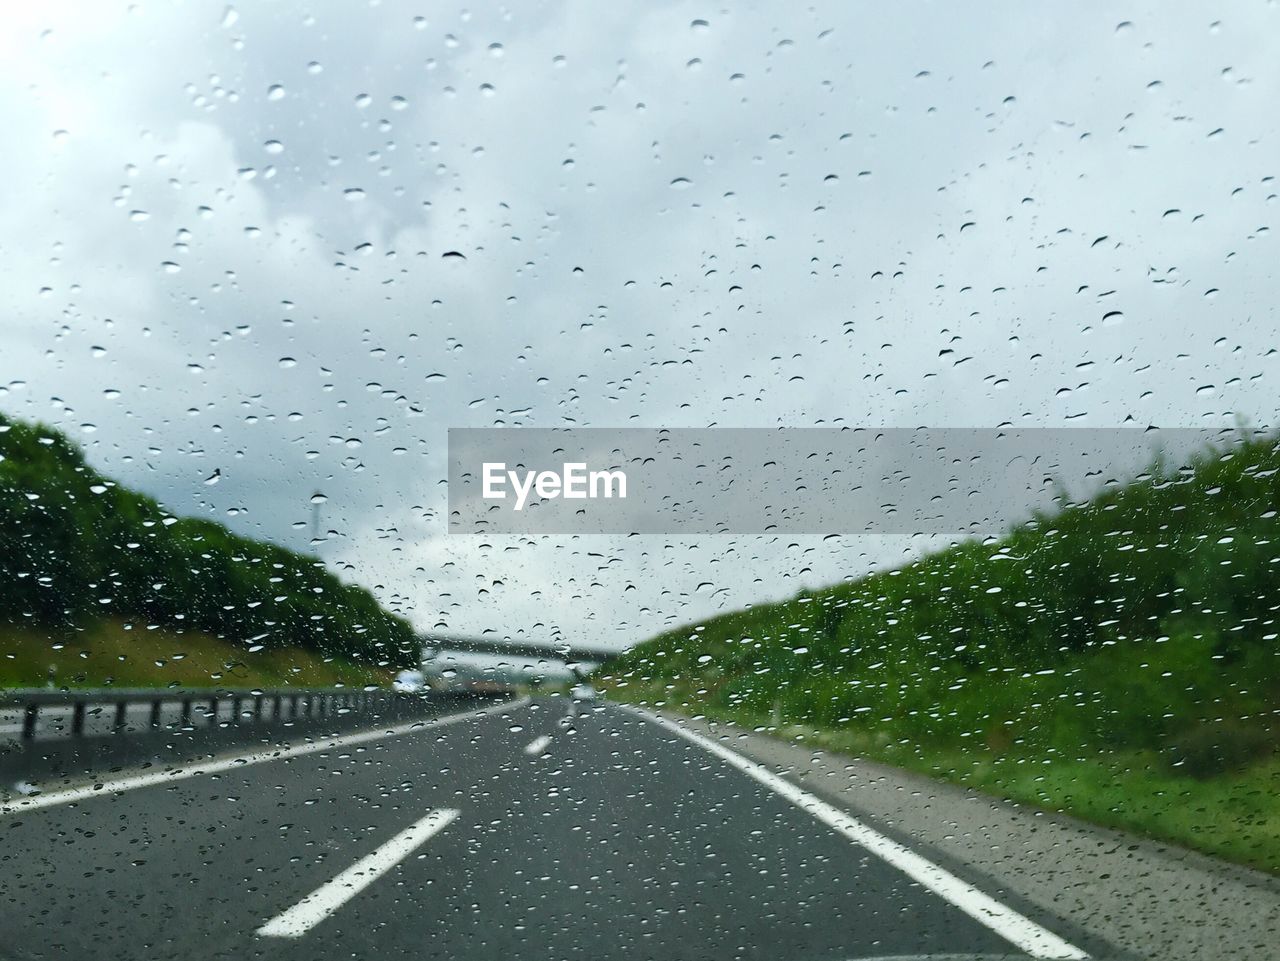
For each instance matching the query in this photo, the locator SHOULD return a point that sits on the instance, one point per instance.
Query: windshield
(639, 480)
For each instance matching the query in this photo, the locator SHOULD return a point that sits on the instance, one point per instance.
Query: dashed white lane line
(538, 745)
(199, 768)
(331, 895)
(1021, 931)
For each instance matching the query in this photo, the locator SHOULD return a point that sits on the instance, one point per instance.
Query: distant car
(409, 682)
(583, 692)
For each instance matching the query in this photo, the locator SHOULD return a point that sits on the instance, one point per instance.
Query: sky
(294, 244)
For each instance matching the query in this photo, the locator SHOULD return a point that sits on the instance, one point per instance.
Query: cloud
(224, 243)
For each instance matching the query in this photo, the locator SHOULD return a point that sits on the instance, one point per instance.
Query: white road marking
(538, 745)
(119, 785)
(1028, 936)
(330, 896)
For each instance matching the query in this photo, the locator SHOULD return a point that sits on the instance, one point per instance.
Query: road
(516, 831)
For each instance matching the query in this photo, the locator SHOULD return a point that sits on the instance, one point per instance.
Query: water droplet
(275, 92)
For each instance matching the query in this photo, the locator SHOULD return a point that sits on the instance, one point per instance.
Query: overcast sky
(224, 235)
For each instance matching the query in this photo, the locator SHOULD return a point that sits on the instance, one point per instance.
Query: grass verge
(1233, 815)
(120, 653)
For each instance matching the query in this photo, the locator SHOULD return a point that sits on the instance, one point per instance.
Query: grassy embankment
(119, 654)
(104, 584)
(1116, 660)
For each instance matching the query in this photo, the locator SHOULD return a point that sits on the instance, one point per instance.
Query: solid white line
(244, 760)
(538, 745)
(1004, 921)
(330, 896)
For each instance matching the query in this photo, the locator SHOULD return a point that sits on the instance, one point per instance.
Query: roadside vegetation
(1116, 660)
(81, 557)
(115, 653)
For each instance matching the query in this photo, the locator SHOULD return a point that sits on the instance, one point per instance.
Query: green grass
(128, 654)
(1117, 658)
(1233, 815)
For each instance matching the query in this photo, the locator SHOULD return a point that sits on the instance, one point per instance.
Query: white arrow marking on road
(327, 898)
(538, 745)
(1030, 937)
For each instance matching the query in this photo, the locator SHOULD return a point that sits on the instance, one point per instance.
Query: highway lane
(507, 834)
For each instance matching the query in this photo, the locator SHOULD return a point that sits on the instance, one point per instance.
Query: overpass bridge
(433, 645)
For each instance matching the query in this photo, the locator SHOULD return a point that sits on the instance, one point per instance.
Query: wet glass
(639, 480)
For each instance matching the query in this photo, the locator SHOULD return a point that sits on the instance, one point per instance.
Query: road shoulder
(1153, 899)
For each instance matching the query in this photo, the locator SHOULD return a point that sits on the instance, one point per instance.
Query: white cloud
(593, 291)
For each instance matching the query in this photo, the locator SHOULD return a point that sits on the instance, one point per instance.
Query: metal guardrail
(266, 704)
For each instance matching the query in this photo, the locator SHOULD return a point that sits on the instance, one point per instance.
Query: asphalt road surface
(518, 831)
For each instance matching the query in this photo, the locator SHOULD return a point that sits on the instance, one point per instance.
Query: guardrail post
(118, 723)
(186, 712)
(29, 717)
(77, 719)
(155, 713)
(277, 708)
(257, 707)
(235, 710)
(213, 710)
